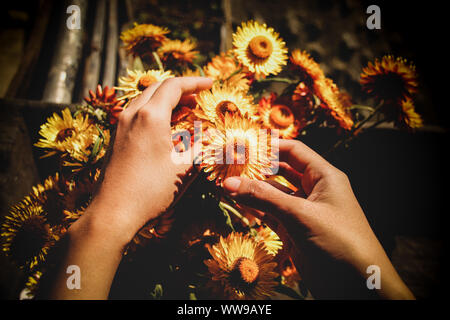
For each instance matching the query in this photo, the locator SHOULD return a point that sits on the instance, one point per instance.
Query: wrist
(95, 226)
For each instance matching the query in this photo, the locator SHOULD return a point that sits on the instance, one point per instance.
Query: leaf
(157, 292)
(289, 292)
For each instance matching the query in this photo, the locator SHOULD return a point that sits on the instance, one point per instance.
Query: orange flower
(309, 69)
(143, 39)
(389, 79)
(105, 99)
(175, 52)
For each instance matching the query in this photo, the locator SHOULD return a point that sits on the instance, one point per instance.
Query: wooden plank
(91, 74)
(112, 45)
(66, 59)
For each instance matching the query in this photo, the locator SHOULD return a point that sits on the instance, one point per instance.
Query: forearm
(96, 248)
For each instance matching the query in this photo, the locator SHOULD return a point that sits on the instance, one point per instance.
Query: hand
(331, 241)
(141, 180)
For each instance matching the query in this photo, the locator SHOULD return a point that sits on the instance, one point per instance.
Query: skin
(324, 226)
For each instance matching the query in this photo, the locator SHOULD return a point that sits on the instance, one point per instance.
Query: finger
(143, 98)
(298, 155)
(292, 175)
(167, 96)
(262, 196)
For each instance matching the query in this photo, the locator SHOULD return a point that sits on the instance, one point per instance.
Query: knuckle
(254, 189)
(148, 115)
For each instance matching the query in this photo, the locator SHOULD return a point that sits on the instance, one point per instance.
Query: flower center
(144, 82)
(237, 151)
(281, 116)
(247, 270)
(64, 134)
(260, 47)
(226, 106)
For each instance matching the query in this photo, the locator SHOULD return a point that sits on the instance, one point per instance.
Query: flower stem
(277, 79)
(158, 61)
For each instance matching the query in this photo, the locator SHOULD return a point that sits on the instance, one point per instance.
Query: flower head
(137, 81)
(106, 100)
(223, 99)
(237, 146)
(259, 49)
(407, 116)
(143, 39)
(225, 68)
(333, 103)
(389, 79)
(60, 132)
(241, 268)
(270, 239)
(309, 69)
(278, 116)
(27, 234)
(177, 52)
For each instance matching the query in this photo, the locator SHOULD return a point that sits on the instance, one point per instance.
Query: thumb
(261, 195)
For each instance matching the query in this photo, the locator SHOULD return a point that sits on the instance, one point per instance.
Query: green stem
(158, 61)
(357, 106)
(356, 128)
(234, 211)
(277, 79)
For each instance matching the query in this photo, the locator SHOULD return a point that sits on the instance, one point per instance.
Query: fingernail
(232, 184)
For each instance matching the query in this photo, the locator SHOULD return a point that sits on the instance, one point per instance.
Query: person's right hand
(329, 237)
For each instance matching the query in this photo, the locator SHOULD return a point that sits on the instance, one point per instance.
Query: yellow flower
(389, 79)
(137, 81)
(332, 102)
(259, 49)
(408, 117)
(175, 52)
(26, 234)
(241, 268)
(310, 70)
(270, 239)
(58, 133)
(143, 39)
(236, 147)
(221, 100)
(224, 68)
(278, 116)
(89, 147)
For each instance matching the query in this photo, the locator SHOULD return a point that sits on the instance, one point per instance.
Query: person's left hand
(141, 180)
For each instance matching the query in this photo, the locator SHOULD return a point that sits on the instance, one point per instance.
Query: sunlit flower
(408, 117)
(221, 100)
(89, 147)
(332, 102)
(137, 81)
(26, 233)
(389, 79)
(241, 268)
(270, 239)
(237, 147)
(176, 52)
(143, 39)
(32, 283)
(59, 133)
(278, 116)
(106, 100)
(309, 69)
(224, 68)
(259, 48)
